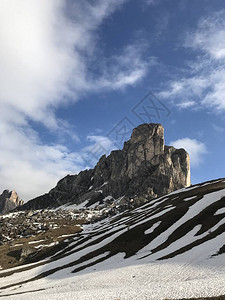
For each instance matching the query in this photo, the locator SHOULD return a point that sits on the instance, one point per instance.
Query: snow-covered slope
(172, 247)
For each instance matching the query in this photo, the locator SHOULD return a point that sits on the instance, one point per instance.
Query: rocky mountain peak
(144, 169)
(147, 132)
(147, 142)
(9, 200)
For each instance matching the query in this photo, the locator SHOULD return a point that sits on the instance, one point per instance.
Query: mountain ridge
(144, 169)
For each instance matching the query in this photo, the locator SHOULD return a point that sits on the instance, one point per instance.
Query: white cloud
(104, 141)
(28, 165)
(126, 68)
(203, 81)
(30, 77)
(195, 149)
(186, 87)
(44, 55)
(186, 104)
(32, 168)
(99, 145)
(47, 50)
(210, 36)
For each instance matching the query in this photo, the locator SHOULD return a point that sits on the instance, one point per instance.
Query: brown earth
(10, 253)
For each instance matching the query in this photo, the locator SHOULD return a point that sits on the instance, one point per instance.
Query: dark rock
(144, 169)
(26, 251)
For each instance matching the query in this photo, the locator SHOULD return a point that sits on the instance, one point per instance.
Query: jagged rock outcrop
(9, 201)
(144, 168)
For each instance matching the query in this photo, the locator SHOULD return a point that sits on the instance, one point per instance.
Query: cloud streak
(210, 36)
(202, 82)
(47, 48)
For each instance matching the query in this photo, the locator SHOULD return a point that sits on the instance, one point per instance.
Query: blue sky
(77, 76)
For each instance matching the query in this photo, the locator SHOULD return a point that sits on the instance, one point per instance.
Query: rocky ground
(169, 248)
(35, 234)
(28, 234)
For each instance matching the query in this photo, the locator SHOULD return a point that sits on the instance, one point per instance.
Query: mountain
(172, 247)
(9, 201)
(144, 169)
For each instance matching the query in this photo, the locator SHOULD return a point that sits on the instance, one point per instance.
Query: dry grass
(10, 253)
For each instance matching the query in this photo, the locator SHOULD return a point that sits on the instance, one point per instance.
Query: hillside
(172, 247)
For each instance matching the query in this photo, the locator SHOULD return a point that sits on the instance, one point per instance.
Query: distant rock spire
(9, 200)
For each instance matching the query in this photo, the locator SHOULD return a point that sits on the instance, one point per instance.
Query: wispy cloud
(44, 55)
(210, 36)
(28, 165)
(126, 68)
(195, 149)
(218, 129)
(99, 145)
(47, 50)
(203, 82)
(186, 104)
(149, 2)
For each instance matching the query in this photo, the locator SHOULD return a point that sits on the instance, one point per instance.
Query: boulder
(26, 251)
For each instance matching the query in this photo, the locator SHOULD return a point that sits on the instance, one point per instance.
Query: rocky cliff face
(9, 201)
(144, 169)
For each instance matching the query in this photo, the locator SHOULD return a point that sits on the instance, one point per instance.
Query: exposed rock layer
(145, 168)
(9, 201)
